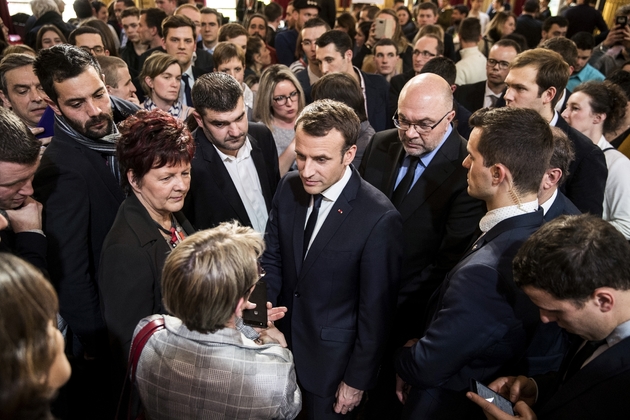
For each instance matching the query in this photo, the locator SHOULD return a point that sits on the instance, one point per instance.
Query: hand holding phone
(257, 317)
(491, 396)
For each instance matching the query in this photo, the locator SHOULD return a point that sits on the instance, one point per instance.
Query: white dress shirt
(472, 67)
(494, 217)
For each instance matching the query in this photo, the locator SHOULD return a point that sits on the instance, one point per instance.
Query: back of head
(206, 275)
(274, 74)
(28, 304)
(217, 92)
(343, 88)
(177, 21)
(18, 144)
(320, 117)
(340, 39)
(608, 99)
(254, 46)
(563, 153)
(561, 21)
(154, 18)
(461, 8)
(563, 46)
(231, 31)
(470, 30)
(531, 6)
(622, 79)
(225, 51)
(552, 70)
(59, 63)
(82, 8)
(583, 41)
(40, 7)
(502, 141)
(273, 11)
(12, 62)
(371, 11)
(572, 256)
(348, 22)
(443, 67)
(109, 67)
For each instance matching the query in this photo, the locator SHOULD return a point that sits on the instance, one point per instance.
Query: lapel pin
(340, 211)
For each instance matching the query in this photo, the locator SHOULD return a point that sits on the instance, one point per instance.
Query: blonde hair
(208, 273)
(156, 64)
(263, 107)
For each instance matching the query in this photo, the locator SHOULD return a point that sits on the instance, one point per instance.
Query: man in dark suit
(486, 94)
(590, 302)
(479, 310)
(334, 53)
(527, 24)
(588, 172)
(235, 168)
(78, 185)
(312, 30)
(20, 215)
(334, 247)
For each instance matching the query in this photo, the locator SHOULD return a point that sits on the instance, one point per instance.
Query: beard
(88, 129)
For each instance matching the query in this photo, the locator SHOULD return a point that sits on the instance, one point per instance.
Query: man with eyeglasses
(88, 39)
(426, 48)
(235, 167)
(312, 30)
(489, 93)
(418, 166)
(286, 41)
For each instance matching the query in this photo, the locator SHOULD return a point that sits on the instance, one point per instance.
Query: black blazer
(471, 96)
(30, 246)
(81, 197)
(342, 296)
(213, 198)
(302, 77)
(396, 84)
(561, 206)
(133, 256)
(587, 173)
(438, 209)
(376, 95)
(530, 28)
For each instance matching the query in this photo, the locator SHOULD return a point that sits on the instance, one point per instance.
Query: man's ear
(549, 94)
(53, 105)
(107, 53)
(5, 101)
(554, 175)
(604, 298)
(198, 118)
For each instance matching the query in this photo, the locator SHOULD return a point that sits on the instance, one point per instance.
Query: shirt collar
(621, 331)
(427, 158)
(554, 120)
(547, 204)
(496, 216)
(333, 192)
(489, 92)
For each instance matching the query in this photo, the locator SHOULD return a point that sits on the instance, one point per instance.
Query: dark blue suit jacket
(302, 77)
(481, 329)
(341, 298)
(377, 97)
(561, 206)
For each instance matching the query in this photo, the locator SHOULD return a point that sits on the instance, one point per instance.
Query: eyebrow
(82, 98)
(215, 122)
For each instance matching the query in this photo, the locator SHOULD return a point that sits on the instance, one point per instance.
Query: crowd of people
(428, 195)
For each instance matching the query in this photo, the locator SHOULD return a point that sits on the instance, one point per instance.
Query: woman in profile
(205, 363)
(33, 365)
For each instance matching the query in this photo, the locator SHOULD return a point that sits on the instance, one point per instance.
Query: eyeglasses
(282, 99)
(503, 65)
(425, 53)
(420, 128)
(94, 50)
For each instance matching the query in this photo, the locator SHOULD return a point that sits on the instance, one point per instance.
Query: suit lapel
(299, 221)
(259, 163)
(395, 155)
(104, 172)
(220, 175)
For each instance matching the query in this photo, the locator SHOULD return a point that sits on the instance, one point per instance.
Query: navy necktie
(187, 90)
(405, 184)
(310, 224)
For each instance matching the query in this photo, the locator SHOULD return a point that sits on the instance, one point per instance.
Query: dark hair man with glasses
(418, 166)
(88, 39)
(235, 167)
(482, 324)
(489, 93)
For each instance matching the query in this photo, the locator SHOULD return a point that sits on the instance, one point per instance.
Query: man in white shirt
(575, 269)
(472, 67)
(235, 168)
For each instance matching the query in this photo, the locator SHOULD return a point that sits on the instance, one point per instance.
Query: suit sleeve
(366, 157)
(473, 316)
(32, 247)
(283, 50)
(379, 275)
(272, 257)
(67, 224)
(126, 282)
(587, 185)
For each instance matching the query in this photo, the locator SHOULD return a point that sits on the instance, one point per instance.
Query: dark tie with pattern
(310, 224)
(405, 184)
(582, 356)
(187, 91)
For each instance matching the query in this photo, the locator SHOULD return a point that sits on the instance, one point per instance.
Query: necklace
(174, 235)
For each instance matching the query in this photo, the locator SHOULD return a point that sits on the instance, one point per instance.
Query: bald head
(430, 89)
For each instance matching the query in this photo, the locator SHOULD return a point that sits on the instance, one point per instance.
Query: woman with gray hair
(46, 12)
(202, 364)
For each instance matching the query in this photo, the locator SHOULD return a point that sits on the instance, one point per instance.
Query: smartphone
(257, 317)
(621, 20)
(384, 28)
(491, 396)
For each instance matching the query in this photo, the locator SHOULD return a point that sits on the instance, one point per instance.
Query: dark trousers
(315, 407)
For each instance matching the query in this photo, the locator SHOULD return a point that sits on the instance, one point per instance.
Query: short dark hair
(470, 30)
(343, 88)
(371, 11)
(572, 256)
(130, 11)
(18, 144)
(82, 8)
(211, 11)
(561, 21)
(12, 62)
(606, 98)
(318, 118)
(563, 153)
(519, 39)
(563, 46)
(151, 139)
(502, 140)
(59, 63)
(254, 46)
(584, 40)
(427, 5)
(348, 22)
(341, 40)
(225, 51)
(109, 67)
(531, 6)
(218, 92)
(440, 44)
(177, 21)
(384, 42)
(273, 11)
(461, 8)
(443, 67)
(551, 70)
(231, 31)
(82, 30)
(154, 18)
(508, 43)
(622, 79)
(316, 22)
